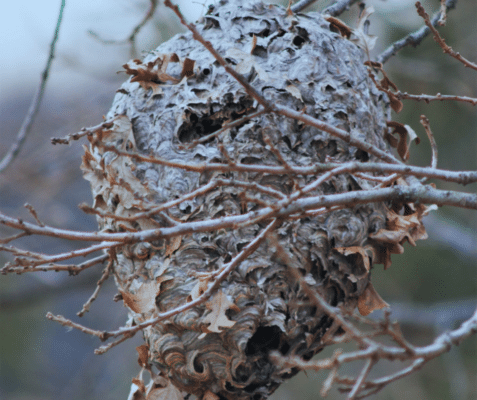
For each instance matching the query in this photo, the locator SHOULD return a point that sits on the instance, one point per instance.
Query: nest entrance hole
(197, 124)
(264, 340)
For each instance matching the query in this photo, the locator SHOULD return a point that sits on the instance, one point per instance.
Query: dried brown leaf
(144, 300)
(406, 136)
(217, 318)
(170, 392)
(370, 300)
(143, 352)
(173, 245)
(358, 250)
(339, 25)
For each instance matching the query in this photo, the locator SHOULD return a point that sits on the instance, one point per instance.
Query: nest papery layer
(179, 94)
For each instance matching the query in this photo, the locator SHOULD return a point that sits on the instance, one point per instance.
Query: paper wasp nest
(179, 94)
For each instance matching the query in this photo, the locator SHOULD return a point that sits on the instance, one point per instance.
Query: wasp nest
(169, 109)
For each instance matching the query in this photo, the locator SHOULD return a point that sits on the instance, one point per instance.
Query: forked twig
(440, 41)
(414, 38)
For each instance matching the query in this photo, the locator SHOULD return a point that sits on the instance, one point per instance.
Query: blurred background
(431, 288)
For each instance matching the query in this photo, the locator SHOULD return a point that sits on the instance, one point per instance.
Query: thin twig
(71, 268)
(463, 177)
(422, 194)
(438, 97)
(131, 39)
(99, 284)
(33, 212)
(413, 38)
(36, 101)
(84, 132)
(67, 322)
(362, 376)
(425, 123)
(105, 348)
(440, 41)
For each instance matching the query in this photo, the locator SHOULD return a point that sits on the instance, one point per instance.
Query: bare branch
(71, 268)
(131, 39)
(414, 38)
(84, 132)
(99, 284)
(373, 349)
(438, 97)
(440, 41)
(36, 101)
(301, 5)
(339, 7)
(32, 211)
(424, 194)
(67, 322)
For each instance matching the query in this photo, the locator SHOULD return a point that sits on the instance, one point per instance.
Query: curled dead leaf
(357, 250)
(173, 245)
(406, 137)
(340, 26)
(370, 300)
(143, 352)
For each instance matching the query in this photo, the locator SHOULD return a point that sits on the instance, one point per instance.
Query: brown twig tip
(440, 41)
(425, 123)
(416, 37)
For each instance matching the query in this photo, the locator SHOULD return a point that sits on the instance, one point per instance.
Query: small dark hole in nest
(264, 33)
(251, 388)
(287, 142)
(290, 374)
(284, 349)
(240, 246)
(298, 41)
(229, 387)
(242, 374)
(198, 127)
(265, 339)
(329, 88)
(187, 210)
(206, 71)
(198, 367)
(362, 155)
(115, 201)
(341, 115)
